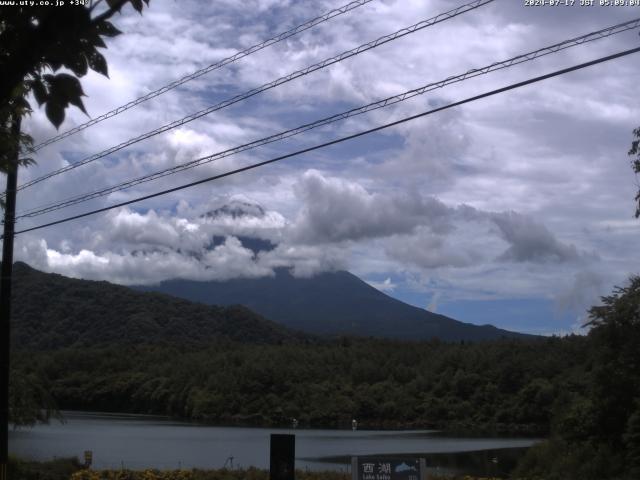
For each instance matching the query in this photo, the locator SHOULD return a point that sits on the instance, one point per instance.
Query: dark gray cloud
(430, 251)
(336, 210)
(419, 229)
(531, 241)
(585, 289)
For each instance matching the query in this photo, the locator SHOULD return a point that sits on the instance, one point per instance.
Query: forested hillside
(51, 311)
(503, 386)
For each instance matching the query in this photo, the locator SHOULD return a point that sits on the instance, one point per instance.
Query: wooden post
(282, 457)
(354, 468)
(5, 300)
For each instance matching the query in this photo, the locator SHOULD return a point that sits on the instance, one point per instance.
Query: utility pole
(5, 298)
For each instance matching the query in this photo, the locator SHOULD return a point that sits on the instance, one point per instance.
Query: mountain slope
(336, 303)
(51, 311)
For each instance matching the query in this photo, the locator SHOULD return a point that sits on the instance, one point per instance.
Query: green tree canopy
(635, 151)
(596, 426)
(36, 42)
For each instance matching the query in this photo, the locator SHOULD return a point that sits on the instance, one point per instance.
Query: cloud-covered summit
(236, 208)
(237, 237)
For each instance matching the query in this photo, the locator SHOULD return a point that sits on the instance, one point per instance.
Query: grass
(58, 469)
(71, 469)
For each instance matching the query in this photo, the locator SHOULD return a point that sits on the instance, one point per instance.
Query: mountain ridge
(51, 311)
(331, 303)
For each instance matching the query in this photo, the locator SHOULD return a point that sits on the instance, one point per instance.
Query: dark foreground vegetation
(595, 424)
(583, 393)
(59, 469)
(70, 469)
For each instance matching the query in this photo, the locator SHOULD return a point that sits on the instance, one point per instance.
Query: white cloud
(433, 303)
(385, 286)
(225, 261)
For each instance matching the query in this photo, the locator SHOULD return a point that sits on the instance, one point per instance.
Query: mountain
(336, 303)
(51, 311)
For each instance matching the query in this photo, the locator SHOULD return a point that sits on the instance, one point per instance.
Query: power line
(340, 140)
(243, 96)
(192, 76)
(362, 48)
(526, 57)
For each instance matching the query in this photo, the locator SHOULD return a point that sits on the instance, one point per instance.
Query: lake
(139, 441)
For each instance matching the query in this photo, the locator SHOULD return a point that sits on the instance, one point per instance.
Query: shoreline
(460, 430)
(470, 454)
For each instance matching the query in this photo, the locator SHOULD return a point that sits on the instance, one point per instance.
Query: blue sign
(384, 468)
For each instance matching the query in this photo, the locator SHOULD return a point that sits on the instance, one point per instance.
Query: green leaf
(39, 91)
(77, 64)
(21, 106)
(97, 41)
(114, 4)
(137, 4)
(55, 65)
(25, 162)
(65, 87)
(98, 63)
(77, 101)
(107, 29)
(55, 113)
(26, 141)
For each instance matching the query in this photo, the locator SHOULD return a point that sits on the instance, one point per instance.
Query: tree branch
(94, 5)
(107, 14)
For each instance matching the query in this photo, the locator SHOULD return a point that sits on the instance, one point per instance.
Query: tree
(635, 150)
(30, 401)
(616, 373)
(35, 43)
(632, 443)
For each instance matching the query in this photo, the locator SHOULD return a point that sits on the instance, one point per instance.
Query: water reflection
(138, 441)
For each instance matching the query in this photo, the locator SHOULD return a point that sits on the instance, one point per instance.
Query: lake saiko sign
(384, 468)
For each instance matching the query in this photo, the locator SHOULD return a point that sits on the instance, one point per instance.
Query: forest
(582, 393)
(502, 386)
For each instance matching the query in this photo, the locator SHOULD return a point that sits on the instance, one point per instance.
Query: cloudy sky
(516, 210)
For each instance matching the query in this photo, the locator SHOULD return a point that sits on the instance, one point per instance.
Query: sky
(514, 210)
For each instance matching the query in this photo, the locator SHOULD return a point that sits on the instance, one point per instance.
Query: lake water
(138, 441)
